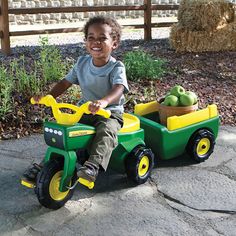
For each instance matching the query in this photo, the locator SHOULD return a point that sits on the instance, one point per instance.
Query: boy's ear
(115, 45)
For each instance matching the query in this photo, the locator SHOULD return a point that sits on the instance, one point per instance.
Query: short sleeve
(118, 76)
(72, 75)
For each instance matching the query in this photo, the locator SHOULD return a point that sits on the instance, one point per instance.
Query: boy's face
(99, 43)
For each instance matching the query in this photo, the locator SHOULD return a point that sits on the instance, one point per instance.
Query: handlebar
(66, 118)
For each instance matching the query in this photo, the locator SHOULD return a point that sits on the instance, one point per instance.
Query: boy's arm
(57, 90)
(112, 97)
(60, 88)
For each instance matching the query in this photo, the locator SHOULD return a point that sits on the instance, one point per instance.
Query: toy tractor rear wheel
(201, 145)
(139, 164)
(48, 182)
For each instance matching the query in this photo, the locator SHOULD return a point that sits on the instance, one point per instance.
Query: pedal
(86, 183)
(27, 183)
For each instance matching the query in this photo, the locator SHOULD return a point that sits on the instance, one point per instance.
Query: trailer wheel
(47, 187)
(139, 164)
(201, 145)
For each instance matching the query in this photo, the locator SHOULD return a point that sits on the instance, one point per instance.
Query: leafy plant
(51, 62)
(6, 87)
(27, 83)
(141, 65)
(28, 79)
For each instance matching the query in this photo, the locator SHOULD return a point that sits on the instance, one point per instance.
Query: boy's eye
(92, 39)
(102, 39)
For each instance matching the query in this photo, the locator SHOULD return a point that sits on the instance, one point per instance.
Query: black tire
(139, 164)
(201, 145)
(47, 185)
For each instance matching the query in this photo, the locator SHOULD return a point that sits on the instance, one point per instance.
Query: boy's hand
(96, 105)
(37, 98)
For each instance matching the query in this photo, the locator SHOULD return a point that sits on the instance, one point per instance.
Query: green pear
(186, 100)
(177, 91)
(171, 100)
(194, 95)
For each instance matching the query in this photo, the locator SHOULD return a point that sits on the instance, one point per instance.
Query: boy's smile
(99, 43)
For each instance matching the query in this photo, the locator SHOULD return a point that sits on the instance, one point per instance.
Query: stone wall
(56, 18)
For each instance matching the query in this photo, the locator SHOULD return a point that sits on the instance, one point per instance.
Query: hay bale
(200, 15)
(221, 39)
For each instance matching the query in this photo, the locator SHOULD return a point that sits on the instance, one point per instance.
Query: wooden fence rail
(147, 7)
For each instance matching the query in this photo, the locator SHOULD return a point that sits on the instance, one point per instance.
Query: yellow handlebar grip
(67, 118)
(32, 101)
(104, 113)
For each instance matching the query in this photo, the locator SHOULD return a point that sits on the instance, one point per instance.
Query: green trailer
(194, 133)
(141, 139)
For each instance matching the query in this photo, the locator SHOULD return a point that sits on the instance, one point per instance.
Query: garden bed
(211, 75)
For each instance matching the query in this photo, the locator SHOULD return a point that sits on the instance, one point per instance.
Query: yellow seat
(131, 123)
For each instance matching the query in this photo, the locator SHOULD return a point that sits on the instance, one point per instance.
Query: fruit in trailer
(194, 95)
(177, 91)
(171, 100)
(186, 100)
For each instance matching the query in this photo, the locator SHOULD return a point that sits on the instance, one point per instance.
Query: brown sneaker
(88, 171)
(31, 173)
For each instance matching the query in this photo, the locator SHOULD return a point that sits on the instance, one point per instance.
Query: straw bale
(198, 15)
(223, 39)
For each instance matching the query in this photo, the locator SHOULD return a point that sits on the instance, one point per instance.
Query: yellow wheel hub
(54, 187)
(203, 146)
(143, 166)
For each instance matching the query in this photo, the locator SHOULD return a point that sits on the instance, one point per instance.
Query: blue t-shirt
(95, 82)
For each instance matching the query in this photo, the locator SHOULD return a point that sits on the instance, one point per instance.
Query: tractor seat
(131, 123)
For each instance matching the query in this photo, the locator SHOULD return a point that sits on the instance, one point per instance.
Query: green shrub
(26, 82)
(6, 88)
(28, 79)
(51, 62)
(140, 65)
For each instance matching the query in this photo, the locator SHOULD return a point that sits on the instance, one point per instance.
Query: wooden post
(147, 20)
(4, 27)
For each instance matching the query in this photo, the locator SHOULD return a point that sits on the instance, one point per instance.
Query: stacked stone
(54, 18)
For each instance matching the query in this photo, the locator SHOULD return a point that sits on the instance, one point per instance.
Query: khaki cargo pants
(105, 139)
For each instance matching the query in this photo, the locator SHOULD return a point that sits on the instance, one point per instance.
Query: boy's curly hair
(115, 27)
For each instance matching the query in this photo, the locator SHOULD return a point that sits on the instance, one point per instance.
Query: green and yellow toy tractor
(66, 137)
(140, 139)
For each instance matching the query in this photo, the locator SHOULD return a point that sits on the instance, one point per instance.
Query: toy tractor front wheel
(201, 145)
(139, 164)
(48, 182)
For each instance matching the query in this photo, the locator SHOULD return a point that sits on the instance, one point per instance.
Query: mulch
(212, 75)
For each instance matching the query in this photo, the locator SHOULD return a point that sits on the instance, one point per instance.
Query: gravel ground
(212, 75)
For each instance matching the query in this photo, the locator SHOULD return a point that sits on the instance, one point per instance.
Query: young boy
(103, 81)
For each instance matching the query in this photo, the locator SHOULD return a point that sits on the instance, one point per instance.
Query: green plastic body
(167, 144)
(57, 137)
(164, 144)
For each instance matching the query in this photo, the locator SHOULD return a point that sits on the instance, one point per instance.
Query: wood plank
(45, 31)
(18, 11)
(62, 30)
(4, 28)
(80, 29)
(164, 7)
(147, 20)
(163, 24)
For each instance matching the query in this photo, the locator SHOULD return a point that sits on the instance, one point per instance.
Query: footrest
(86, 183)
(27, 183)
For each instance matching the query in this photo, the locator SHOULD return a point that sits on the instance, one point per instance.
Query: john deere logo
(54, 140)
(80, 133)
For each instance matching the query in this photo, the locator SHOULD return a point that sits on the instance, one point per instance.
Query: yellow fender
(66, 118)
